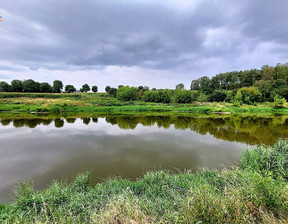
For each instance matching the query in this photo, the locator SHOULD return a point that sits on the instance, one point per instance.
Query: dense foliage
(126, 93)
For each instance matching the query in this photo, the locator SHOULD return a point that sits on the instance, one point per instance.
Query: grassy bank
(255, 191)
(102, 102)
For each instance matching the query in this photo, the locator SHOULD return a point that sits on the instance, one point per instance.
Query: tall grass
(254, 192)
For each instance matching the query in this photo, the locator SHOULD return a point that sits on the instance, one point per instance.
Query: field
(102, 102)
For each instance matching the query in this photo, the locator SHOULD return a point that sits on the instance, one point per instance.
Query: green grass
(254, 192)
(102, 102)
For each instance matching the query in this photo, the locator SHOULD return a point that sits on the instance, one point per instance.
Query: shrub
(163, 96)
(202, 98)
(218, 96)
(127, 93)
(183, 96)
(149, 96)
(279, 102)
(251, 92)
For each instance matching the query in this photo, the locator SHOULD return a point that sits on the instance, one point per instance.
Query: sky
(138, 42)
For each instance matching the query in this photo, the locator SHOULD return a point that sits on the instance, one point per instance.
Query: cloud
(185, 39)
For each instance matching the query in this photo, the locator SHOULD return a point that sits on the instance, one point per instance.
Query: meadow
(103, 102)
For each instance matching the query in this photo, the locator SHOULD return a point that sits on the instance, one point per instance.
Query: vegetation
(253, 192)
(103, 102)
(126, 93)
(237, 87)
(85, 88)
(70, 89)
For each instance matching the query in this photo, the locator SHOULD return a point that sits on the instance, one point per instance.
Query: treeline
(237, 87)
(258, 85)
(31, 86)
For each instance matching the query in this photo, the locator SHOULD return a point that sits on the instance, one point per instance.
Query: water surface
(43, 149)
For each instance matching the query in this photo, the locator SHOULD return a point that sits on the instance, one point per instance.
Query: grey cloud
(72, 35)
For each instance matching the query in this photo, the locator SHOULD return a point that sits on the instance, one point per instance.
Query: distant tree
(45, 87)
(180, 86)
(267, 72)
(30, 85)
(57, 86)
(140, 88)
(146, 88)
(16, 86)
(94, 89)
(120, 86)
(113, 92)
(195, 84)
(107, 89)
(70, 89)
(85, 88)
(205, 84)
(4, 87)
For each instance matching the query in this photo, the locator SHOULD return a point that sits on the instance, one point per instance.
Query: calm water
(45, 149)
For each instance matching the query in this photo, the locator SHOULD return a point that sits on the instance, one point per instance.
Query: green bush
(149, 96)
(183, 96)
(250, 94)
(127, 93)
(158, 96)
(279, 102)
(218, 96)
(202, 97)
(163, 96)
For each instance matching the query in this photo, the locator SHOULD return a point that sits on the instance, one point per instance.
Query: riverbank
(255, 191)
(102, 102)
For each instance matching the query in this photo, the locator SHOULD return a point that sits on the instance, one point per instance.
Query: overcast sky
(138, 42)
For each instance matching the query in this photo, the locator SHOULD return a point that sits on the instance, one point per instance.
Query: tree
(205, 84)
(94, 89)
(113, 92)
(57, 86)
(16, 86)
(85, 88)
(127, 93)
(180, 86)
(195, 84)
(30, 85)
(45, 87)
(267, 72)
(70, 89)
(107, 89)
(4, 87)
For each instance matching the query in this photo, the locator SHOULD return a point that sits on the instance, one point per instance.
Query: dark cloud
(188, 37)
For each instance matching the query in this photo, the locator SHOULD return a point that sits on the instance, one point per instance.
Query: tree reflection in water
(251, 130)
